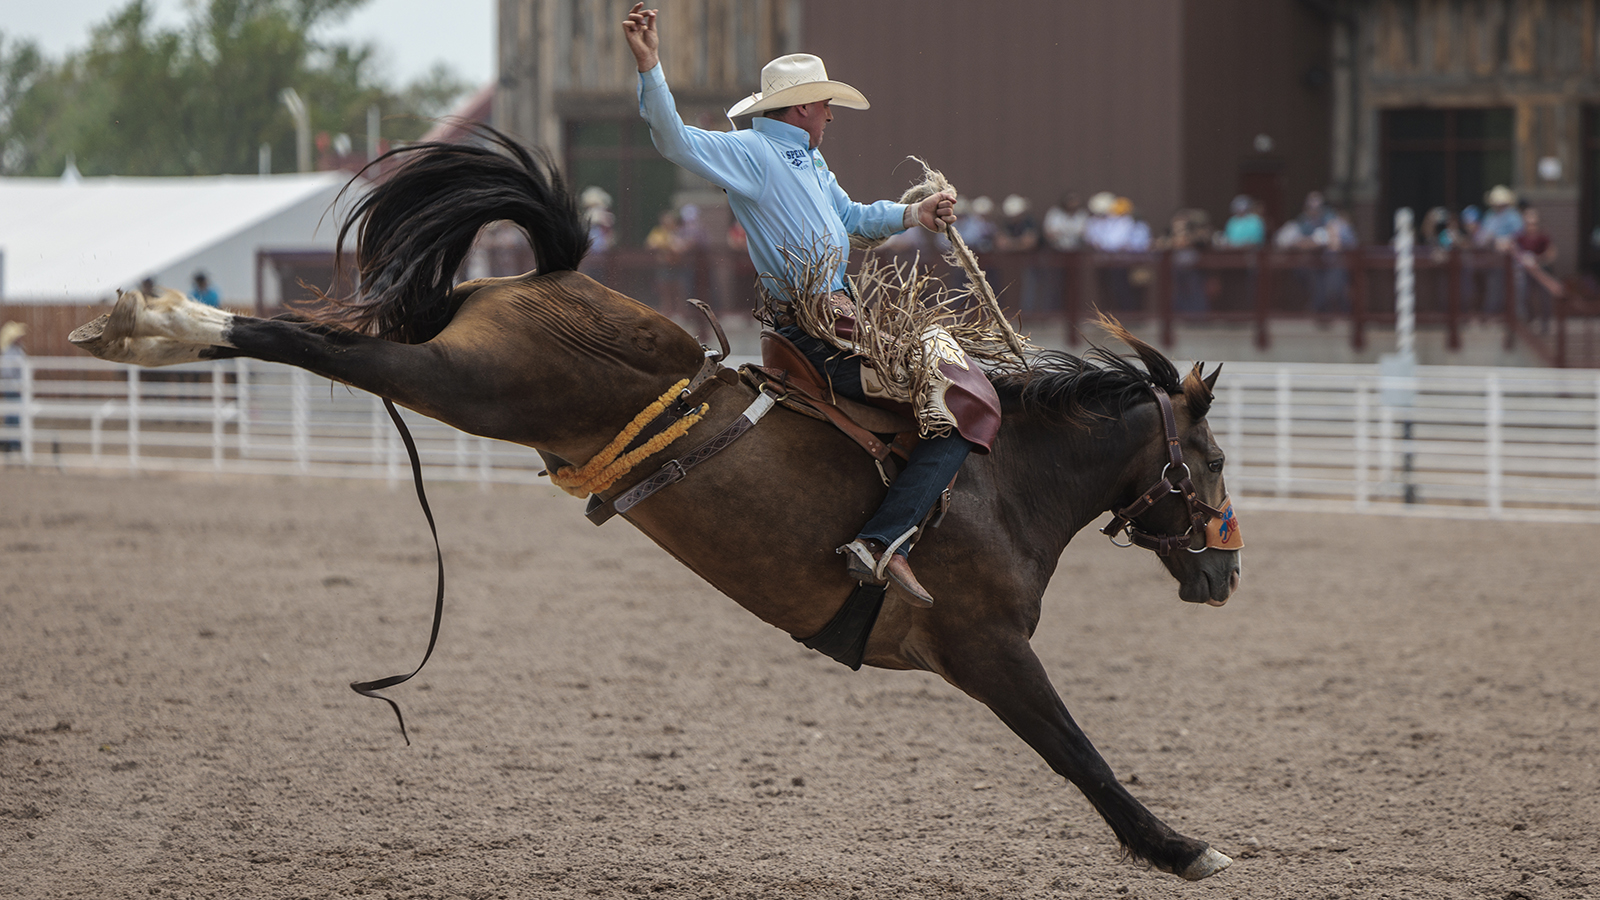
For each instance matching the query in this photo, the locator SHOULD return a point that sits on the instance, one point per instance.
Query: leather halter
(1123, 520)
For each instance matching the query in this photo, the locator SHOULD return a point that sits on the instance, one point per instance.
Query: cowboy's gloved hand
(936, 213)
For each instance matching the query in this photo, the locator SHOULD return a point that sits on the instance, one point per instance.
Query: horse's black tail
(415, 228)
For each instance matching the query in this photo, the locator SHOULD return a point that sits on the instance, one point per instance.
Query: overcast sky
(411, 34)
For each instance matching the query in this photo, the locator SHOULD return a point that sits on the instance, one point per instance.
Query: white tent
(77, 240)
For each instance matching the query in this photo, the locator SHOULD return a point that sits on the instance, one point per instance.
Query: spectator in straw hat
(1019, 233)
(780, 189)
(11, 357)
(1503, 222)
(1498, 229)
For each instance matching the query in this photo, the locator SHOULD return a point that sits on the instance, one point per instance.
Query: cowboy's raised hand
(643, 39)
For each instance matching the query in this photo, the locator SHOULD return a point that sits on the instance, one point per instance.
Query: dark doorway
(1442, 157)
(1589, 203)
(616, 154)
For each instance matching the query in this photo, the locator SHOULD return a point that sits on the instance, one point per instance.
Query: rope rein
(610, 464)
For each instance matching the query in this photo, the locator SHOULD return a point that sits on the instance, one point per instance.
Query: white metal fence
(1473, 442)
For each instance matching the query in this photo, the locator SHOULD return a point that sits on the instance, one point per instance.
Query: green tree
(142, 100)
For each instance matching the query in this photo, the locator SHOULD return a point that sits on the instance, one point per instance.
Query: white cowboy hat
(795, 80)
(1100, 204)
(1500, 195)
(10, 333)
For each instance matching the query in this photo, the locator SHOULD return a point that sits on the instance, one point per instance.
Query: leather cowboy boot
(871, 562)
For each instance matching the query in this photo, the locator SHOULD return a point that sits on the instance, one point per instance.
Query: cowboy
(781, 192)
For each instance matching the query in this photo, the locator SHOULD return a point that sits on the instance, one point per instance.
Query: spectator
(672, 270)
(1467, 239)
(11, 357)
(203, 292)
(1536, 253)
(1318, 227)
(977, 226)
(1100, 206)
(1190, 230)
(911, 244)
(1498, 230)
(598, 217)
(692, 231)
(1470, 217)
(1309, 230)
(1064, 226)
(1113, 229)
(1117, 231)
(1335, 295)
(1019, 233)
(1244, 227)
(1502, 223)
(1438, 229)
(1065, 222)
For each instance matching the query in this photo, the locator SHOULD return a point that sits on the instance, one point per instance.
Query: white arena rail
(1473, 443)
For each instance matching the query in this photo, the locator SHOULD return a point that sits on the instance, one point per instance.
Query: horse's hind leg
(1013, 683)
(169, 329)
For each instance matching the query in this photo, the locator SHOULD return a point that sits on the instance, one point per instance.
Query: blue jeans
(933, 463)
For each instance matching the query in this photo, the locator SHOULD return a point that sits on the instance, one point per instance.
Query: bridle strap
(1122, 520)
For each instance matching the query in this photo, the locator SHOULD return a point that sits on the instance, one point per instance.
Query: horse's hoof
(1209, 863)
(89, 333)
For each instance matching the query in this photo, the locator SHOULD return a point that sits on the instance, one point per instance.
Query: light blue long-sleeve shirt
(780, 188)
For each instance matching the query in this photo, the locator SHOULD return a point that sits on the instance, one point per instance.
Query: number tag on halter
(1222, 532)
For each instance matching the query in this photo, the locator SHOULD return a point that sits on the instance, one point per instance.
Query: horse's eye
(1215, 465)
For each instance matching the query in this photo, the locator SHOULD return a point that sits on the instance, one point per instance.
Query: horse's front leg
(1013, 683)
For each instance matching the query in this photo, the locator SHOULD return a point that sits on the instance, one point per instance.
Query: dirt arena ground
(1389, 709)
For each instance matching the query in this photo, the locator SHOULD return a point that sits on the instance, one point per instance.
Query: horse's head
(1179, 504)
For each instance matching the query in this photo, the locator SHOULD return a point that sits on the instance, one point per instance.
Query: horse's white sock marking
(169, 314)
(155, 331)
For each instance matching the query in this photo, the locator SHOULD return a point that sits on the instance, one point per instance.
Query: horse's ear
(1211, 380)
(1197, 390)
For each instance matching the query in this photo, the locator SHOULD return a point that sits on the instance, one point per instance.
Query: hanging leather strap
(371, 688)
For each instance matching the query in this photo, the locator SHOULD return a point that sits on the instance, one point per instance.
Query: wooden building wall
(1256, 68)
(568, 57)
(1048, 96)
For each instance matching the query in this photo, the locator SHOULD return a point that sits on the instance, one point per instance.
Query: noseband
(1223, 535)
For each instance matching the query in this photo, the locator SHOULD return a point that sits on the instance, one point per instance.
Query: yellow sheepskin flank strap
(610, 464)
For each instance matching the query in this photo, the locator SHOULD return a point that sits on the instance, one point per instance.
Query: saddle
(806, 391)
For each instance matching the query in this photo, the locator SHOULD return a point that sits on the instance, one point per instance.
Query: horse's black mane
(1099, 383)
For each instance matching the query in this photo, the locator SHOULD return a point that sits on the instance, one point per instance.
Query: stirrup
(863, 567)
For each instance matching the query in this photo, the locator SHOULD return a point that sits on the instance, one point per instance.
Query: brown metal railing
(1054, 292)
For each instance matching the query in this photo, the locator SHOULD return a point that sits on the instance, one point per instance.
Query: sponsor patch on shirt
(796, 158)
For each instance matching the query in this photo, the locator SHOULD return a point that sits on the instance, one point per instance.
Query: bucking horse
(556, 361)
